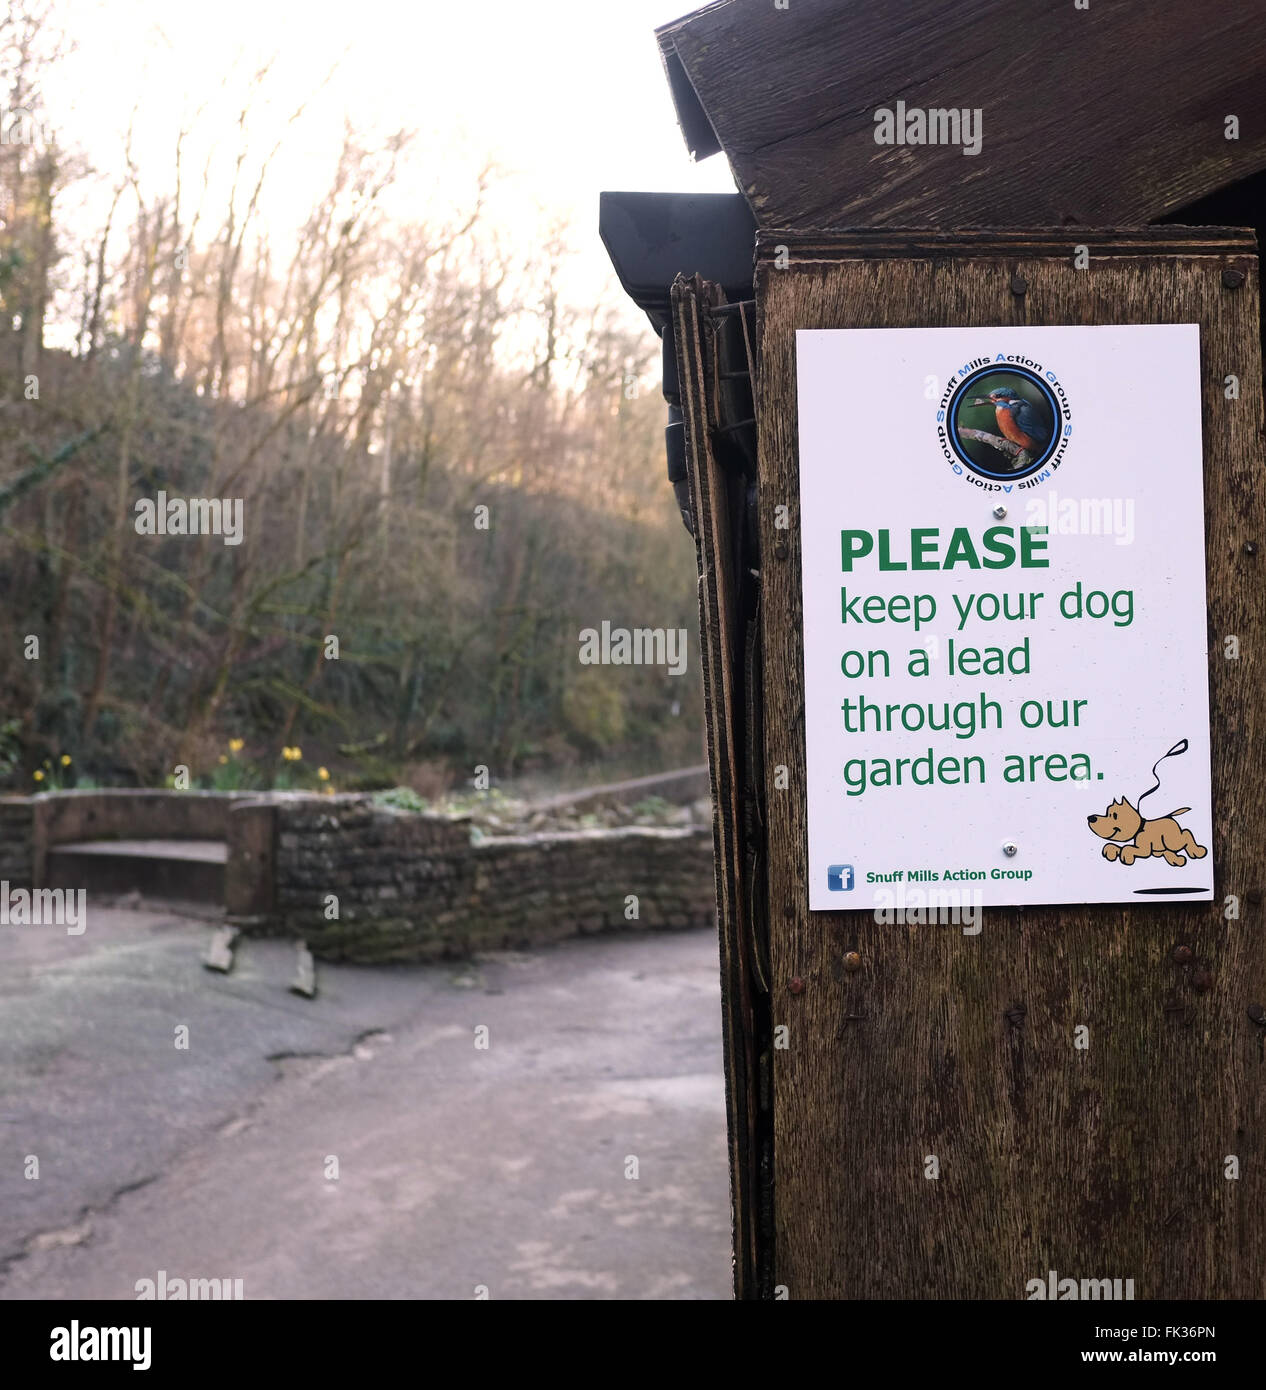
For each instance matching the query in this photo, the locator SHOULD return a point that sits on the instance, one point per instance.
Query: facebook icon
(839, 878)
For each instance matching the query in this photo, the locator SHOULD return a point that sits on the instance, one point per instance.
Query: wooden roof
(1111, 115)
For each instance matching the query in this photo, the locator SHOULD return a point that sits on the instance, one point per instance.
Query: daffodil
(236, 745)
(38, 775)
(65, 759)
(323, 773)
(223, 758)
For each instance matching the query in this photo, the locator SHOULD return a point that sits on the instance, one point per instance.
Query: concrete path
(509, 1166)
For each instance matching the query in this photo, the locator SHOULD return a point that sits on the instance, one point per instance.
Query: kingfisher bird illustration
(1017, 418)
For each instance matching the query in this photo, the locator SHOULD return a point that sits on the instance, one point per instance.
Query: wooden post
(730, 643)
(1112, 1162)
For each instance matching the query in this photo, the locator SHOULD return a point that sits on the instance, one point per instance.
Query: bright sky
(568, 97)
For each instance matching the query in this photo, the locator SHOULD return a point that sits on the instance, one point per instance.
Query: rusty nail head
(1182, 954)
(1019, 285)
(1015, 1014)
(1201, 980)
(796, 986)
(1250, 547)
(780, 549)
(852, 962)
(1257, 1013)
(1000, 512)
(1232, 278)
(1010, 849)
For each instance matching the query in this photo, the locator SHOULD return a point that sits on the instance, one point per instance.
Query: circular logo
(1004, 421)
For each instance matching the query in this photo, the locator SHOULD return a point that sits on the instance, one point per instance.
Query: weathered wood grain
(721, 645)
(1104, 1163)
(1114, 114)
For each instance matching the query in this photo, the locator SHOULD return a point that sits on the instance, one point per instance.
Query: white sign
(1006, 659)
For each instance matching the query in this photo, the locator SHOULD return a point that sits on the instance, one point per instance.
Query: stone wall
(417, 887)
(17, 841)
(407, 886)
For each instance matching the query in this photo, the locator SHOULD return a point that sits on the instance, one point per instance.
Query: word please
(924, 545)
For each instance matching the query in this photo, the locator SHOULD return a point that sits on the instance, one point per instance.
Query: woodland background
(363, 384)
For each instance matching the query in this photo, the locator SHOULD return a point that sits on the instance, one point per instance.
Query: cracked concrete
(508, 1167)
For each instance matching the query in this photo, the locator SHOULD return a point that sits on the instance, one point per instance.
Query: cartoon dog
(1131, 837)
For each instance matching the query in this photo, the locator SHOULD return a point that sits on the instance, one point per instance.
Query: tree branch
(1020, 458)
